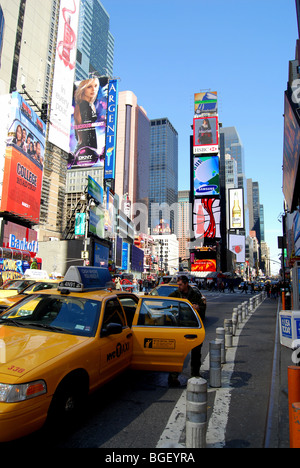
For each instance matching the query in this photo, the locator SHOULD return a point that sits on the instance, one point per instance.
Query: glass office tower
(95, 44)
(163, 182)
(234, 147)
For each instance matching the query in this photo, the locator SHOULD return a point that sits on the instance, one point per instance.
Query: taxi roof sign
(79, 279)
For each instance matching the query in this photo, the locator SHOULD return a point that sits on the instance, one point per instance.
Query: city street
(133, 411)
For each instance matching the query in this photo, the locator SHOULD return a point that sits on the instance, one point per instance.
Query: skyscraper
(95, 44)
(234, 147)
(163, 186)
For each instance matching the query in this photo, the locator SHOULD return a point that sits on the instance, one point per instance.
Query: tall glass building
(163, 182)
(234, 147)
(95, 43)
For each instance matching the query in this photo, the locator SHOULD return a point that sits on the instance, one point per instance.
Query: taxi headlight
(21, 392)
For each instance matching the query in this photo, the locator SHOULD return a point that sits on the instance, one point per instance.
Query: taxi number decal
(16, 369)
(121, 348)
(158, 343)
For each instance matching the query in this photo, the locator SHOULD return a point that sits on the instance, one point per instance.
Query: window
(167, 313)
(113, 313)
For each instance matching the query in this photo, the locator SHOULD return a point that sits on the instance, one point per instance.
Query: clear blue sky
(167, 50)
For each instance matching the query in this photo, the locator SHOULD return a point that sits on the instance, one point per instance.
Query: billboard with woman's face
(206, 135)
(88, 123)
(23, 166)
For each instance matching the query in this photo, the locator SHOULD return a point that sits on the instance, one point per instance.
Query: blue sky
(167, 50)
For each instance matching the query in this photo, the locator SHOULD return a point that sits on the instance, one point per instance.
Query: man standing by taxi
(185, 291)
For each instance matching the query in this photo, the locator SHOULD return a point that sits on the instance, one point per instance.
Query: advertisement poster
(64, 69)
(204, 265)
(206, 176)
(24, 158)
(237, 246)
(88, 123)
(206, 135)
(111, 130)
(206, 102)
(206, 218)
(236, 209)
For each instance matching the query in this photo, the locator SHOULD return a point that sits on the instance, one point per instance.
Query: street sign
(84, 254)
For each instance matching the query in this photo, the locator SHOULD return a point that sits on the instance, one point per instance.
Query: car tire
(67, 401)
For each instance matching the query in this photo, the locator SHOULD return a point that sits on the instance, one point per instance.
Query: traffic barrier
(215, 364)
(196, 413)
(294, 397)
(251, 305)
(295, 425)
(228, 326)
(239, 310)
(220, 338)
(243, 311)
(234, 321)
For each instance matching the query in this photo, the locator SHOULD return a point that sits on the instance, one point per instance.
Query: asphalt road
(133, 410)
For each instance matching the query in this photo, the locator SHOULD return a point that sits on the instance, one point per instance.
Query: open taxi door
(164, 331)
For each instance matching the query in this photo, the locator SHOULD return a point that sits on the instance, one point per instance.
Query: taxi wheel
(68, 400)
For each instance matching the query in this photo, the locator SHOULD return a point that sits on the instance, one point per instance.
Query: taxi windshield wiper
(48, 327)
(13, 322)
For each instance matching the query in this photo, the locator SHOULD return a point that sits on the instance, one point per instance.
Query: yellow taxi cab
(35, 286)
(13, 287)
(58, 345)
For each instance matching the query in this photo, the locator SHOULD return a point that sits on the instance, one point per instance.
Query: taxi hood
(22, 350)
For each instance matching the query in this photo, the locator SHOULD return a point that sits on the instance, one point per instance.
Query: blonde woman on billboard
(85, 113)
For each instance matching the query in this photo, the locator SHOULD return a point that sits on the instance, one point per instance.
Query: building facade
(163, 180)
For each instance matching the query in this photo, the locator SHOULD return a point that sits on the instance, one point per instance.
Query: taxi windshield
(17, 284)
(76, 316)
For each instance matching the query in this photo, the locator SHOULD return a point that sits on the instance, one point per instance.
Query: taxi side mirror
(112, 329)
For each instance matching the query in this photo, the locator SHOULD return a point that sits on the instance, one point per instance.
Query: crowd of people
(28, 144)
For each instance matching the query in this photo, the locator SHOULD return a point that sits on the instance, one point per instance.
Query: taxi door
(115, 349)
(164, 331)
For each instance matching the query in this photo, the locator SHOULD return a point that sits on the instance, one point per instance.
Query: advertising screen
(206, 175)
(206, 102)
(65, 61)
(236, 209)
(88, 123)
(111, 130)
(24, 157)
(206, 135)
(291, 153)
(204, 265)
(237, 246)
(206, 218)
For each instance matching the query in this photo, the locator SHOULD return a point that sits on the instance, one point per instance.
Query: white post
(196, 413)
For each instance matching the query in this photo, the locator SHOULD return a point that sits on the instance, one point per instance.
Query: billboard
(88, 123)
(206, 102)
(206, 218)
(204, 265)
(291, 152)
(206, 175)
(95, 190)
(111, 130)
(236, 209)
(238, 247)
(65, 61)
(24, 157)
(206, 135)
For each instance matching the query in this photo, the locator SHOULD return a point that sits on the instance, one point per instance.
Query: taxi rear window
(77, 316)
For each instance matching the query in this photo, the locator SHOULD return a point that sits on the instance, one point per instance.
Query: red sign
(22, 185)
(204, 265)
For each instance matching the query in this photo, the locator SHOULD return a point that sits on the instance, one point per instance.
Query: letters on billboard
(206, 176)
(111, 130)
(206, 135)
(24, 157)
(88, 123)
(206, 218)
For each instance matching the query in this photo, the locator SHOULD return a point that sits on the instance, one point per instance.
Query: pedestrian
(245, 288)
(134, 284)
(185, 291)
(146, 286)
(118, 283)
(231, 286)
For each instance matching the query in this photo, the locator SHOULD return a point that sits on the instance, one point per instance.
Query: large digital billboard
(206, 176)
(24, 157)
(236, 209)
(206, 102)
(291, 153)
(206, 218)
(206, 135)
(88, 123)
(65, 61)
(111, 130)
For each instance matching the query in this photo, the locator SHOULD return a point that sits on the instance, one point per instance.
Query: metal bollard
(220, 338)
(215, 364)
(239, 315)
(234, 321)
(243, 312)
(246, 309)
(228, 332)
(196, 413)
(251, 305)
